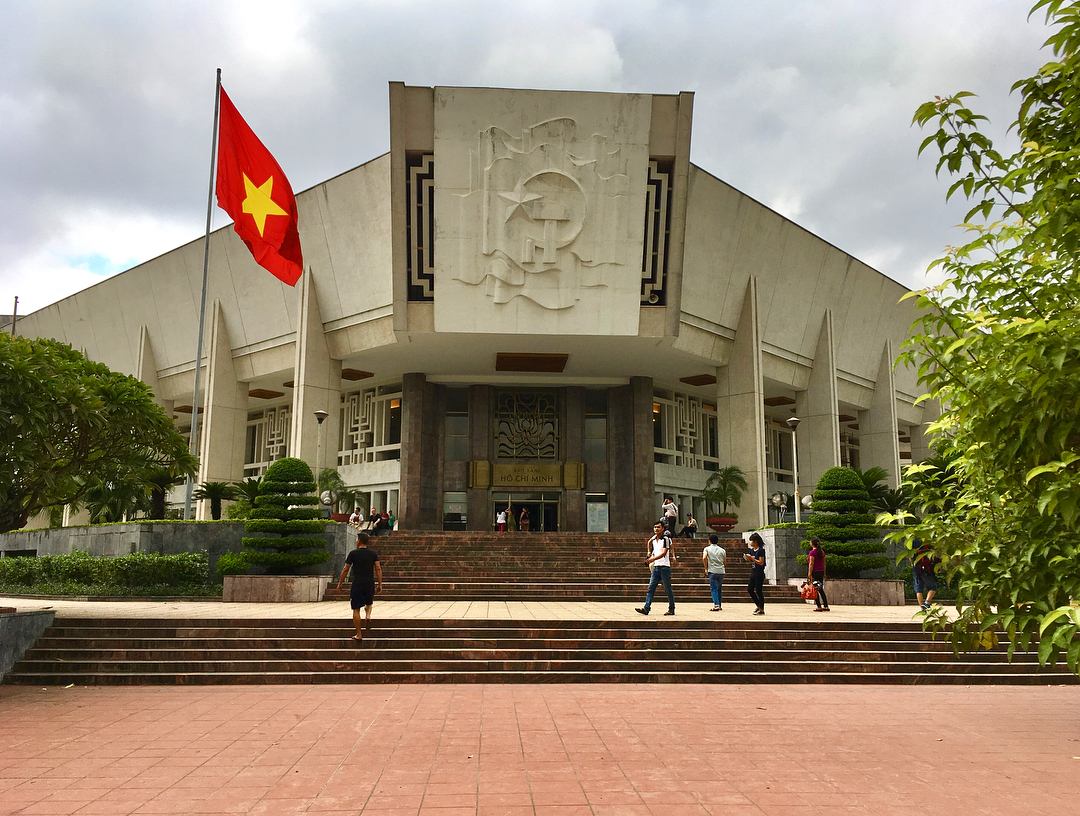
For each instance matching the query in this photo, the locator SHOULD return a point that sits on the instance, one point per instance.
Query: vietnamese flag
(252, 189)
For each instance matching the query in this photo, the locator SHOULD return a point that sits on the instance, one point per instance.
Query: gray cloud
(106, 108)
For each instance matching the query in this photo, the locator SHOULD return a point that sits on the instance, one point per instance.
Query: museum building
(533, 299)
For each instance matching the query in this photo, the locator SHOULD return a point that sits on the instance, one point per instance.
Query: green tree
(286, 509)
(109, 502)
(997, 345)
(842, 521)
(68, 424)
(725, 486)
(215, 493)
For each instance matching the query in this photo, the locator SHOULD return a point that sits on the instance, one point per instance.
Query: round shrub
(285, 507)
(843, 523)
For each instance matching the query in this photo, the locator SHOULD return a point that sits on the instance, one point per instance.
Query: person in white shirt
(661, 564)
(714, 559)
(356, 518)
(500, 521)
(671, 514)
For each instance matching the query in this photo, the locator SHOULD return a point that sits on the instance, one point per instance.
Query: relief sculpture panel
(539, 212)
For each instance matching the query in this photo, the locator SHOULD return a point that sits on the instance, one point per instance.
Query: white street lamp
(793, 423)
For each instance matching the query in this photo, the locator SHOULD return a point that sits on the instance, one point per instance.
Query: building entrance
(543, 509)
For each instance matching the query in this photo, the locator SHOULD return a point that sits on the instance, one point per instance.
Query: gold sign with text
(526, 475)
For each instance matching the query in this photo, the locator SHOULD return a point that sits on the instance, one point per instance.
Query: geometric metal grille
(267, 439)
(369, 425)
(657, 233)
(420, 225)
(688, 432)
(527, 425)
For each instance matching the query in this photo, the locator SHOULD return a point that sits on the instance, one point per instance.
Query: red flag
(252, 189)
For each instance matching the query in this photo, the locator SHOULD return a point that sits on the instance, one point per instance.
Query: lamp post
(320, 417)
(793, 423)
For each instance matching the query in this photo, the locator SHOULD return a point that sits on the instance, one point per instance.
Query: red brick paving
(501, 750)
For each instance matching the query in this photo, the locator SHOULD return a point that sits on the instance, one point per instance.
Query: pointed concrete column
(879, 445)
(224, 423)
(921, 443)
(740, 398)
(147, 369)
(316, 386)
(819, 433)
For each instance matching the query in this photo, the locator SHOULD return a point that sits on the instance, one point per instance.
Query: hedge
(135, 571)
(844, 525)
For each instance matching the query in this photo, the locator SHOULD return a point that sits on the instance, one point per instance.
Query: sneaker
(715, 609)
(642, 611)
(925, 607)
(758, 612)
(670, 612)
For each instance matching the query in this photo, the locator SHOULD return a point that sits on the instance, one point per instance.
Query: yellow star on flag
(258, 203)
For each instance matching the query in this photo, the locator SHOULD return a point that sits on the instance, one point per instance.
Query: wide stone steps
(544, 566)
(171, 652)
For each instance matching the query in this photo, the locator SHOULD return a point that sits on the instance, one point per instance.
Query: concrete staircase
(547, 566)
(195, 651)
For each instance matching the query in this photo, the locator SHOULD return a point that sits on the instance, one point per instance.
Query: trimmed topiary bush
(843, 523)
(286, 513)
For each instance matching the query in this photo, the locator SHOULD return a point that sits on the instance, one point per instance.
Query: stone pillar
(147, 369)
(224, 423)
(316, 386)
(819, 433)
(921, 443)
(480, 443)
(879, 445)
(630, 456)
(740, 407)
(573, 450)
(420, 498)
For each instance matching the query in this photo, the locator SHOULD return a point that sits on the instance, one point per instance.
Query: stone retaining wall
(18, 632)
(164, 537)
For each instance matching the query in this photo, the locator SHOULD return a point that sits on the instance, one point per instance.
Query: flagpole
(190, 484)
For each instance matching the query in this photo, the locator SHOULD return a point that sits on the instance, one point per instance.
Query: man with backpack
(660, 561)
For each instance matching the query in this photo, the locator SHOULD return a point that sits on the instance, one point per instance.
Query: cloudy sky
(106, 108)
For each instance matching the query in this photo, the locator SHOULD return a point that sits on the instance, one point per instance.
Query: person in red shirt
(815, 572)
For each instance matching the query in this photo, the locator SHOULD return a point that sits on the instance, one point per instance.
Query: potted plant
(724, 487)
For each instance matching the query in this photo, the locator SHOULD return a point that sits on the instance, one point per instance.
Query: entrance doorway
(543, 509)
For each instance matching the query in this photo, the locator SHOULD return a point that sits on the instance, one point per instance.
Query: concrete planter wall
(274, 588)
(165, 537)
(781, 550)
(860, 591)
(18, 631)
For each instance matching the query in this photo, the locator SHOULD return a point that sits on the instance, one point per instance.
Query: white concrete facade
(526, 223)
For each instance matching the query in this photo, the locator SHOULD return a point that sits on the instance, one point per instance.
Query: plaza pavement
(697, 609)
(552, 750)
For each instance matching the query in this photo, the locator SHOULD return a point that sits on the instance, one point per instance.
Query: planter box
(860, 591)
(274, 588)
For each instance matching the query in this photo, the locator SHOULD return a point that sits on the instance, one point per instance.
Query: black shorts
(361, 595)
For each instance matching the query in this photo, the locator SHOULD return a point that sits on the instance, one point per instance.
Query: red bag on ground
(808, 591)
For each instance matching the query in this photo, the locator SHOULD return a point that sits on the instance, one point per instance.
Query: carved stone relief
(553, 208)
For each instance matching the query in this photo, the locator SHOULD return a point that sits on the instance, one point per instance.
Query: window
(595, 443)
(457, 425)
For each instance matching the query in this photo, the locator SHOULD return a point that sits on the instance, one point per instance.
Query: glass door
(541, 510)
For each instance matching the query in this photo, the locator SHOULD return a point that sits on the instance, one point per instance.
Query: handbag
(808, 591)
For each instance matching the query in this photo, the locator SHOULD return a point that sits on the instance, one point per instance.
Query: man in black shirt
(366, 581)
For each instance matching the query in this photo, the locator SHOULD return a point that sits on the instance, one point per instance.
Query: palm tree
(724, 487)
(248, 490)
(330, 479)
(109, 502)
(875, 481)
(216, 492)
